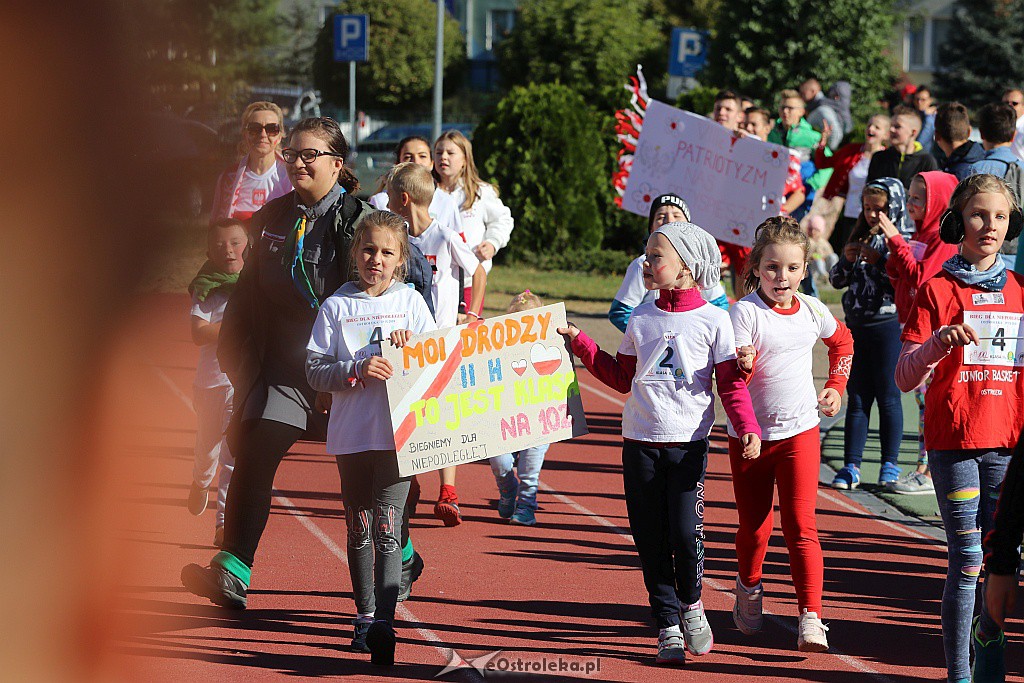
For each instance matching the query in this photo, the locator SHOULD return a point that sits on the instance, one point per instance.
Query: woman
(261, 175)
(486, 226)
(301, 258)
(850, 175)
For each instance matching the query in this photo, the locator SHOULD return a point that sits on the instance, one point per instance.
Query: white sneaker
(671, 647)
(697, 630)
(747, 612)
(811, 633)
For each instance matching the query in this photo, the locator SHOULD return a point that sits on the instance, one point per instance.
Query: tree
(294, 56)
(401, 67)
(763, 46)
(539, 146)
(592, 46)
(982, 54)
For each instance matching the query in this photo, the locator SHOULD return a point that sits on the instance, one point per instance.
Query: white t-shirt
(633, 293)
(446, 252)
(442, 208)
(253, 190)
(208, 372)
(488, 219)
(352, 327)
(858, 178)
(782, 386)
(671, 399)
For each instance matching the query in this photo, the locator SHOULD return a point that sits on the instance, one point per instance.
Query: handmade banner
(478, 391)
(730, 183)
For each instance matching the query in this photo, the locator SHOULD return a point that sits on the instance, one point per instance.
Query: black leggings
(258, 448)
(665, 503)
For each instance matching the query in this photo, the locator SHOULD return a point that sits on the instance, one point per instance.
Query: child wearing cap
(671, 349)
(667, 208)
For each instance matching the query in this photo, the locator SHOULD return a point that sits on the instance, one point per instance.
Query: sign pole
(438, 69)
(352, 104)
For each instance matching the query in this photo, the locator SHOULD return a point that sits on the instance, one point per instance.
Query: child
(517, 499)
(442, 207)
(966, 326)
(226, 241)
(410, 188)
(344, 358)
(870, 309)
(776, 329)
(820, 256)
(911, 263)
(670, 350)
(668, 208)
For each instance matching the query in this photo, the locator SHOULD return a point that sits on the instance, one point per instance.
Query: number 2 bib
(667, 362)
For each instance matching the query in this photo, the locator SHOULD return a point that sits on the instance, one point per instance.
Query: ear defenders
(951, 226)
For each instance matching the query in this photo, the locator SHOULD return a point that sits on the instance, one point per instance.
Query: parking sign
(689, 52)
(351, 37)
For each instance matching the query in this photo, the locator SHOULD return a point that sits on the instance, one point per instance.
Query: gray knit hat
(697, 249)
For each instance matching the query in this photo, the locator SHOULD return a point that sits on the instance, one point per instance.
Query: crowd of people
(924, 247)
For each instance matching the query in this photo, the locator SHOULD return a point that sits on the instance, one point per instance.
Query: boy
(727, 111)
(410, 189)
(952, 137)
(904, 158)
(997, 123)
(227, 241)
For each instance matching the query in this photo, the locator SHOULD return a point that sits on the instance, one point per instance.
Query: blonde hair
(789, 94)
(414, 180)
(980, 184)
(257, 107)
(470, 177)
(524, 301)
(396, 226)
(775, 230)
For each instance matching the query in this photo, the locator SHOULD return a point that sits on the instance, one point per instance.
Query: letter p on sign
(351, 39)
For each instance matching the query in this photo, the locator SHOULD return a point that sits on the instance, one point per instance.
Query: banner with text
(730, 183)
(478, 391)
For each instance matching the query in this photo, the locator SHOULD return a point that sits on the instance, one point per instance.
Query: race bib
(666, 363)
(364, 334)
(1000, 338)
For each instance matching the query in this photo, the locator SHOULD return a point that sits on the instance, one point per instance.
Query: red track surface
(568, 588)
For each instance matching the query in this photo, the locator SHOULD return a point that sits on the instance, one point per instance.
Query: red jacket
(907, 273)
(844, 159)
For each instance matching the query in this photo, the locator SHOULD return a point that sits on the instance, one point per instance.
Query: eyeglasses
(254, 128)
(308, 156)
(1011, 103)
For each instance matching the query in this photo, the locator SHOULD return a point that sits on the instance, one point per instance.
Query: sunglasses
(254, 128)
(308, 156)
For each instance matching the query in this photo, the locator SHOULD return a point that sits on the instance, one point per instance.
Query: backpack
(1014, 179)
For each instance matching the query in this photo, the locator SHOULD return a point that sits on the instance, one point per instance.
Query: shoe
(198, 499)
(447, 507)
(671, 648)
(811, 633)
(506, 505)
(912, 484)
(747, 612)
(411, 571)
(697, 631)
(847, 478)
(380, 638)
(989, 656)
(889, 473)
(215, 584)
(360, 626)
(218, 537)
(523, 517)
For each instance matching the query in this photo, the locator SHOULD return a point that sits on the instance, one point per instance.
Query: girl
(486, 227)
(668, 208)
(870, 309)
(671, 348)
(910, 264)
(442, 208)
(966, 326)
(344, 358)
(776, 329)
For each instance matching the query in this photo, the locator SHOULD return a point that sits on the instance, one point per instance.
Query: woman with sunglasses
(260, 175)
(301, 257)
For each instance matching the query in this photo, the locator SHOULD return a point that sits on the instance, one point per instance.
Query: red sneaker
(447, 507)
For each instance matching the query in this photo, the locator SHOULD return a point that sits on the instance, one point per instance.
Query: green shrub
(543, 148)
(700, 100)
(588, 261)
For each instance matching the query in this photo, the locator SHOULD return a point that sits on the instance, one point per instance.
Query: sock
(670, 631)
(364, 617)
(407, 551)
(988, 629)
(448, 492)
(232, 565)
(752, 589)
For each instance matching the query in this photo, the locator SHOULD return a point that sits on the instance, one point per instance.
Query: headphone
(951, 226)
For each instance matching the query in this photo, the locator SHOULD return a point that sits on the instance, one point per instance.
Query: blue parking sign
(351, 37)
(689, 52)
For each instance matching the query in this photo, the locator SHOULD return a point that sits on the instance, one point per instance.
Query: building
(485, 23)
(924, 31)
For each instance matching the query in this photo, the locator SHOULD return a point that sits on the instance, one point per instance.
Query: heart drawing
(519, 366)
(545, 359)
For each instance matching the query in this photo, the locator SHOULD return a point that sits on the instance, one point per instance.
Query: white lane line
(334, 548)
(712, 583)
(895, 526)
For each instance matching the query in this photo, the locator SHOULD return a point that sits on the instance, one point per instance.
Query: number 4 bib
(1000, 335)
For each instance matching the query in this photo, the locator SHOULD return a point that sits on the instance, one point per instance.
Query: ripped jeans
(374, 497)
(967, 487)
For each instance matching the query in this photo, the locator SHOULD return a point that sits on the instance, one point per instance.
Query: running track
(569, 588)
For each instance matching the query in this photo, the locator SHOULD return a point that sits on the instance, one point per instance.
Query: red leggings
(793, 465)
